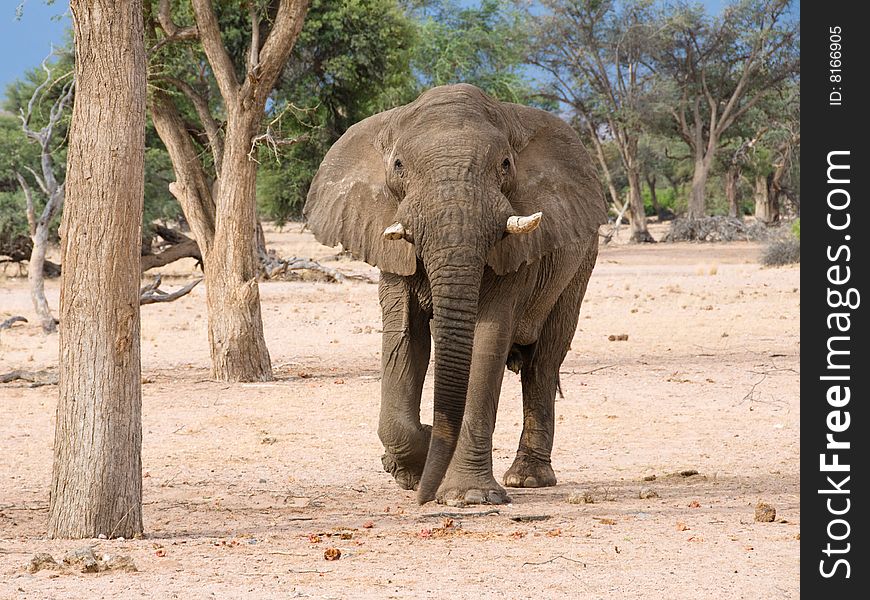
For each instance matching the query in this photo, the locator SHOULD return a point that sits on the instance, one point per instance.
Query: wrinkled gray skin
(450, 169)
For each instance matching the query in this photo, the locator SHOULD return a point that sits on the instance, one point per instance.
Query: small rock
(40, 561)
(581, 497)
(332, 554)
(646, 493)
(82, 560)
(649, 478)
(688, 472)
(121, 562)
(765, 513)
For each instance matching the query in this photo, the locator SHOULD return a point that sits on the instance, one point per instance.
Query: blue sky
(25, 42)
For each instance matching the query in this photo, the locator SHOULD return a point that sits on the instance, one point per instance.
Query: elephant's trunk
(454, 278)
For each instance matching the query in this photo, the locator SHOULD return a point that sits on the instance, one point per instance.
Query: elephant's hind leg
(540, 380)
(404, 360)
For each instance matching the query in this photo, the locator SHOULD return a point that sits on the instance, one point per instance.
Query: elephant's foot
(528, 472)
(467, 490)
(407, 467)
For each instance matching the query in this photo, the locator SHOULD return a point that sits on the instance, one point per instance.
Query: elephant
(483, 218)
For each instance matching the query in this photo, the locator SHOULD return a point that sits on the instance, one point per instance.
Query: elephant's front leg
(470, 479)
(404, 360)
(540, 376)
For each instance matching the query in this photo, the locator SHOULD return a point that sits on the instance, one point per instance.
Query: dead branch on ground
(8, 323)
(151, 293)
(273, 266)
(36, 377)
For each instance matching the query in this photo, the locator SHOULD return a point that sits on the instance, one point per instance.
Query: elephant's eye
(398, 167)
(506, 166)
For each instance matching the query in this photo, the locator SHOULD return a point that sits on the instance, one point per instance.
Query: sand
(246, 486)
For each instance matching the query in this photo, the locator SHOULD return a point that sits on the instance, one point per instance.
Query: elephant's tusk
(517, 224)
(396, 231)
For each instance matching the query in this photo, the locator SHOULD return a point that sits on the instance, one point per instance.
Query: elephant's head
(459, 182)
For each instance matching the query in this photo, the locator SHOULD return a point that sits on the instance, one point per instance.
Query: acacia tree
(97, 476)
(775, 156)
(597, 54)
(719, 69)
(39, 226)
(221, 208)
(482, 45)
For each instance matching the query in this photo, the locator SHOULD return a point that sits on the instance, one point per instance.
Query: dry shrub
(716, 229)
(785, 251)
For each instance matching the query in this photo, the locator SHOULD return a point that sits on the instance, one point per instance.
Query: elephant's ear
(554, 175)
(348, 202)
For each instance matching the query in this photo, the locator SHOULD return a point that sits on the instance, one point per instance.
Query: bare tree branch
(211, 126)
(152, 294)
(213, 45)
(254, 55)
(28, 200)
(173, 32)
(277, 47)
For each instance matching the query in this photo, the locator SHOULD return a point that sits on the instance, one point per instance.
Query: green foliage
(358, 57)
(483, 45)
(351, 60)
(664, 196)
(13, 220)
(16, 152)
(796, 228)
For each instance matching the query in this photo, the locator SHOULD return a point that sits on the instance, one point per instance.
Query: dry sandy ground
(247, 485)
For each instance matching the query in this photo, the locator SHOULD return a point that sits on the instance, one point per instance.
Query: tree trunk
(238, 348)
(191, 187)
(698, 195)
(235, 328)
(651, 183)
(605, 169)
(97, 475)
(766, 203)
(35, 277)
(637, 215)
(732, 177)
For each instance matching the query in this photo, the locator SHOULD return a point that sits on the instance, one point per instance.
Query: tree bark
(605, 168)
(766, 200)
(653, 196)
(732, 178)
(36, 279)
(39, 229)
(637, 215)
(698, 193)
(235, 323)
(97, 475)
